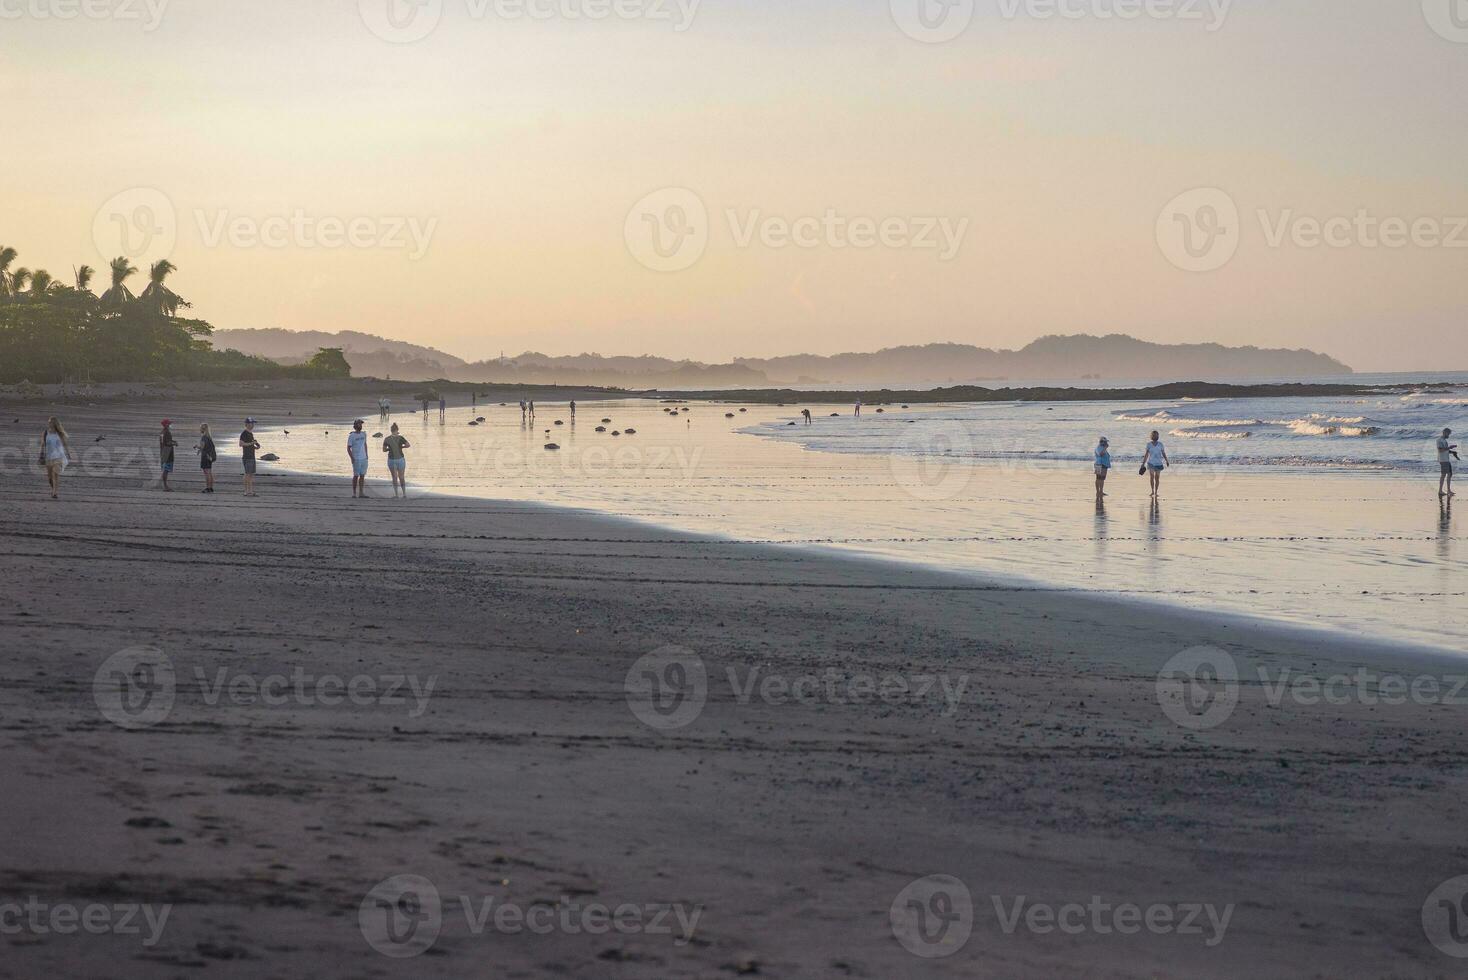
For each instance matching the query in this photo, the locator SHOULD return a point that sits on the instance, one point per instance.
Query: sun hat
(249, 421)
(168, 421)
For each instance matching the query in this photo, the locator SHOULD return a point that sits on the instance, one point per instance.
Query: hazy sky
(497, 183)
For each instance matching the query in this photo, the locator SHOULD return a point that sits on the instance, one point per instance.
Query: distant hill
(1054, 358)
(1078, 357)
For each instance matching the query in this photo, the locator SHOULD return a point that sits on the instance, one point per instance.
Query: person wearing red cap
(165, 451)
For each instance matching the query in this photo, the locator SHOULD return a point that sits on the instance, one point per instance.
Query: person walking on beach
(523, 410)
(357, 455)
(248, 446)
(532, 410)
(166, 447)
(397, 463)
(1446, 453)
(207, 455)
(55, 454)
(858, 408)
(443, 407)
(1157, 461)
(1103, 466)
(573, 411)
(806, 413)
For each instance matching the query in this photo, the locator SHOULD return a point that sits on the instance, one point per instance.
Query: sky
(718, 179)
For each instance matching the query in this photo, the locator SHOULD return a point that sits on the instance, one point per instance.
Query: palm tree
(42, 284)
(18, 280)
(7, 256)
(84, 278)
(158, 296)
(119, 295)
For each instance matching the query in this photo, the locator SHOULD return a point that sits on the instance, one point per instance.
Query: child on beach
(207, 455)
(1103, 466)
(397, 463)
(55, 454)
(248, 446)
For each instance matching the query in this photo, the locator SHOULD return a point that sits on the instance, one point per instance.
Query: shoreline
(791, 822)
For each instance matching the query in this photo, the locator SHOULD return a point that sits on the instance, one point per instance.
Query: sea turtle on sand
(601, 428)
(552, 447)
(631, 432)
(270, 458)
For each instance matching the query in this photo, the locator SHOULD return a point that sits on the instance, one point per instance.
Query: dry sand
(790, 824)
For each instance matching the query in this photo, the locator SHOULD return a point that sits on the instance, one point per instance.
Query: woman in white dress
(55, 454)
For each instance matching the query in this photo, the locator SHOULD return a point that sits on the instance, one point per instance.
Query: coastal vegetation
(56, 331)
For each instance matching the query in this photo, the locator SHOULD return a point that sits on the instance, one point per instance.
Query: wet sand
(790, 824)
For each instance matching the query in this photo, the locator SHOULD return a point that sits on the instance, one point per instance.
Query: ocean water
(1321, 512)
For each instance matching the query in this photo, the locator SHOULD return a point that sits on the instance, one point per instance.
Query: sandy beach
(450, 689)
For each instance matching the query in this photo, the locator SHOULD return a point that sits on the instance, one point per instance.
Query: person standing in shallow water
(1103, 466)
(207, 455)
(248, 447)
(1157, 461)
(55, 454)
(1446, 453)
(397, 462)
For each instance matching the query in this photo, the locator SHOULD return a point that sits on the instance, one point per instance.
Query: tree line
(54, 331)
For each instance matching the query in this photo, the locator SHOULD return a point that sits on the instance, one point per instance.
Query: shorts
(1447, 469)
(206, 465)
(1155, 468)
(359, 467)
(1101, 471)
(249, 467)
(168, 467)
(400, 464)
